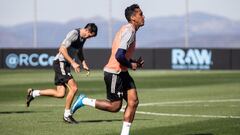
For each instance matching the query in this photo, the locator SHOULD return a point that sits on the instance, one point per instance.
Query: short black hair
(129, 11)
(92, 27)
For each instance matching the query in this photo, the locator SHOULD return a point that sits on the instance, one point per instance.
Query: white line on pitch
(188, 115)
(190, 101)
(185, 115)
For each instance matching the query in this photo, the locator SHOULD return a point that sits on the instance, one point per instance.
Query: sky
(14, 12)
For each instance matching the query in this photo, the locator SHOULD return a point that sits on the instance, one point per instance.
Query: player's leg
(101, 104)
(72, 86)
(113, 90)
(131, 107)
(59, 92)
(110, 106)
(114, 96)
(62, 75)
(132, 103)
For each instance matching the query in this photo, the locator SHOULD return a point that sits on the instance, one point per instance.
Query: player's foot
(29, 97)
(78, 103)
(70, 120)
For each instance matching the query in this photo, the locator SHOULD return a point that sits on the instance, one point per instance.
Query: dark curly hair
(130, 11)
(92, 27)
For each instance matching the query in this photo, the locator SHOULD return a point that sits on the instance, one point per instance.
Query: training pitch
(171, 103)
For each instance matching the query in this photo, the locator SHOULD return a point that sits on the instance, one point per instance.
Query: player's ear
(132, 18)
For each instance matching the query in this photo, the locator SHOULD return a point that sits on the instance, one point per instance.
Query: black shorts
(62, 72)
(117, 85)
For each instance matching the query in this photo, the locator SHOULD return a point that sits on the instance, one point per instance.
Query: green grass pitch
(171, 103)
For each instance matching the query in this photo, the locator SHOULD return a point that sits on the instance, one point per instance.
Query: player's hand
(76, 67)
(86, 68)
(140, 62)
(134, 66)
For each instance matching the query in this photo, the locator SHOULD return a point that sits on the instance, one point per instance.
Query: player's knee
(115, 107)
(133, 103)
(136, 102)
(74, 89)
(60, 95)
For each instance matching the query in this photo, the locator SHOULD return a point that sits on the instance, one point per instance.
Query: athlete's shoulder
(128, 27)
(72, 35)
(73, 32)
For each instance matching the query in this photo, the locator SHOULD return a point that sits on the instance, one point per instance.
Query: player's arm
(71, 36)
(120, 56)
(82, 59)
(126, 40)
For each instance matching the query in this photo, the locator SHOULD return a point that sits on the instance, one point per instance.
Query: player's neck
(134, 25)
(81, 31)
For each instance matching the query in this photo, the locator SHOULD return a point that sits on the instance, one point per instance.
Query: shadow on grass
(207, 127)
(109, 120)
(97, 121)
(19, 112)
(201, 134)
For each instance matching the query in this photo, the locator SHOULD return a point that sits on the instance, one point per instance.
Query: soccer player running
(119, 84)
(71, 48)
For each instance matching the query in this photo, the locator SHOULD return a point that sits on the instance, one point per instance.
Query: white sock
(89, 102)
(125, 128)
(36, 93)
(67, 113)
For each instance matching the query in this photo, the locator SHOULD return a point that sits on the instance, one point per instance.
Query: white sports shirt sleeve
(71, 36)
(127, 38)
